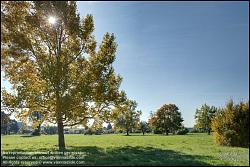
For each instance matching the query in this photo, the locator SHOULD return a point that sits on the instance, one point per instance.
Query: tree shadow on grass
(124, 156)
(139, 156)
(27, 136)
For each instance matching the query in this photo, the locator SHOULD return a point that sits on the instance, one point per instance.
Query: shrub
(36, 132)
(231, 125)
(182, 131)
(89, 131)
(196, 130)
(158, 131)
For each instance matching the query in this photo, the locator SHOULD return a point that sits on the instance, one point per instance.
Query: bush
(36, 132)
(195, 130)
(231, 125)
(157, 131)
(50, 130)
(89, 131)
(98, 131)
(137, 131)
(182, 131)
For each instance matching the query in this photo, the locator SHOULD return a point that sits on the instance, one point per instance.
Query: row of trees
(125, 118)
(230, 124)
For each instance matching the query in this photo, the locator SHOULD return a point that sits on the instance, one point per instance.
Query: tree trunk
(39, 128)
(166, 130)
(61, 142)
(208, 132)
(143, 133)
(127, 132)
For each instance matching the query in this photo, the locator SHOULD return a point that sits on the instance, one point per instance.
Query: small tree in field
(125, 116)
(49, 55)
(167, 119)
(36, 123)
(144, 127)
(204, 116)
(109, 127)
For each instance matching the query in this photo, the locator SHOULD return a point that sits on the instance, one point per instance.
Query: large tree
(204, 116)
(167, 119)
(49, 55)
(125, 116)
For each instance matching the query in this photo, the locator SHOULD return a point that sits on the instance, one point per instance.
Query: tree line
(125, 118)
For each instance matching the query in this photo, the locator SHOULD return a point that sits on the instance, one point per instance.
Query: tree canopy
(231, 124)
(56, 68)
(204, 116)
(126, 116)
(167, 119)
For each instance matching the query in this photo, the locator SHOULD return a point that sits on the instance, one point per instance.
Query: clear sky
(186, 53)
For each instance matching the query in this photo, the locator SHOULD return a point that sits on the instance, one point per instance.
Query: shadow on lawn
(28, 136)
(134, 156)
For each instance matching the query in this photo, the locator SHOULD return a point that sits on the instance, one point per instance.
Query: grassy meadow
(118, 149)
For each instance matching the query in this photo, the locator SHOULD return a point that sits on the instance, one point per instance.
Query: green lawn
(191, 149)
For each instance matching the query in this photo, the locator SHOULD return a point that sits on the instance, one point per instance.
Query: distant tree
(88, 130)
(153, 124)
(24, 128)
(144, 127)
(5, 120)
(182, 131)
(8, 125)
(204, 116)
(50, 130)
(13, 126)
(167, 119)
(197, 130)
(36, 119)
(126, 116)
(109, 127)
(231, 125)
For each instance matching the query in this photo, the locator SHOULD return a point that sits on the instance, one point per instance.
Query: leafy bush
(182, 131)
(50, 130)
(231, 125)
(196, 130)
(36, 132)
(89, 131)
(98, 131)
(158, 131)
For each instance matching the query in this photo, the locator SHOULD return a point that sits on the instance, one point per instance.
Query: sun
(52, 20)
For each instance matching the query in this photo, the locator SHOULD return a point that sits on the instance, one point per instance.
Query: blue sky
(187, 53)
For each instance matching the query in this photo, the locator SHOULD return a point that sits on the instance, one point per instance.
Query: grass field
(191, 149)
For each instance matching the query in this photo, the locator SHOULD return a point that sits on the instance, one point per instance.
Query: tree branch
(80, 52)
(76, 123)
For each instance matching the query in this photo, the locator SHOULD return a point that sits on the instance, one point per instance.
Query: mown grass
(113, 149)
